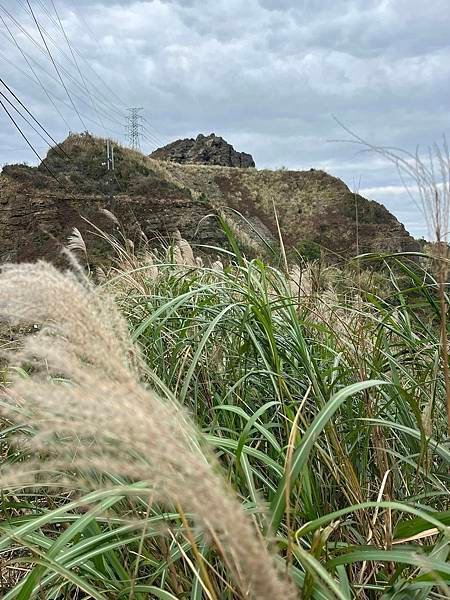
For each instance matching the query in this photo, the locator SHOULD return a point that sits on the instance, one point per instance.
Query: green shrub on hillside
(308, 250)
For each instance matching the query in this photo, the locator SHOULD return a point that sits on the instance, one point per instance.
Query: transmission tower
(134, 127)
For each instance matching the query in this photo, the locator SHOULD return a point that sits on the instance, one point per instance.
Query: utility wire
(24, 74)
(61, 67)
(151, 138)
(112, 106)
(31, 115)
(155, 133)
(24, 118)
(27, 141)
(76, 64)
(33, 71)
(56, 68)
(107, 87)
(59, 24)
(88, 29)
(112, 91)
(42, 162)
(150, 133)
(30, 59)
(150, 141)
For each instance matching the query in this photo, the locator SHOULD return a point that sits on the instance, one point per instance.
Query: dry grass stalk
(300, 281)
(427, 182)
(182, 252)
(76, 241)
(105, 420)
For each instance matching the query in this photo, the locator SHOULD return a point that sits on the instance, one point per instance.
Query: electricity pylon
(134, 126)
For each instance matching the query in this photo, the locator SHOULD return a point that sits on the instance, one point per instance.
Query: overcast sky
(267, 75)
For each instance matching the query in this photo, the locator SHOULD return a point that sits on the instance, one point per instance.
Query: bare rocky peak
(204, 150)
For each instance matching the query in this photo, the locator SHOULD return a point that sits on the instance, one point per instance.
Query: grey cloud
(266, 74)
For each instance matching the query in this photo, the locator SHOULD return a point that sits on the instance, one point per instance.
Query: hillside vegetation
(154, 199)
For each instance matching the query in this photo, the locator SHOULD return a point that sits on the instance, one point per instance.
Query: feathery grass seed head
(104, 419)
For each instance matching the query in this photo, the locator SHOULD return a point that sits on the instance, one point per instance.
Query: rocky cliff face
(204, 150)
(153, 199)
(36, 225)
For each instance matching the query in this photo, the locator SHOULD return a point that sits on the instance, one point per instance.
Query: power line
(88, 29)
(151, 134)
(152, 143)
(61, 67)
(33, 71)
(24, 118)
(30, 114)
(42, 162)
(87, 118)
(154, 133)
(73, 50)
(30, 145)
(76, 63)
(48, 93)
(27, 141)
(107, 87)
(136, 127)
(56, 68)
(97, 76)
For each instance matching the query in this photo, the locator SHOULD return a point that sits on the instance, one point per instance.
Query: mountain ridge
(153, 199)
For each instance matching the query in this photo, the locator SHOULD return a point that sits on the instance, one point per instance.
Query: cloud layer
(268, 75)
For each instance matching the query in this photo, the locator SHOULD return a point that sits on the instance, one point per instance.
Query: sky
(276, 78)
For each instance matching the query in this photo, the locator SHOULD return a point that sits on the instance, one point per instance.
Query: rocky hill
(153, 199)
(204, 150)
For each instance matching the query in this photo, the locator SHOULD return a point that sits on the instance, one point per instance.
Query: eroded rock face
(36, 223)
(204, 150)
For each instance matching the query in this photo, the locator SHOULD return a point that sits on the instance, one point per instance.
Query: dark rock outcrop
(204, 150)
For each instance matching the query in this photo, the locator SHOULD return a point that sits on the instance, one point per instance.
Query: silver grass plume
(105, 420)
(75, 241)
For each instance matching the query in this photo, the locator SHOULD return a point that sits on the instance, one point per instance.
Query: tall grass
(324, 405)
(427, 182)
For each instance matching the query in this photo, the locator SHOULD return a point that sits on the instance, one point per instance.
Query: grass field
(296, 435)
